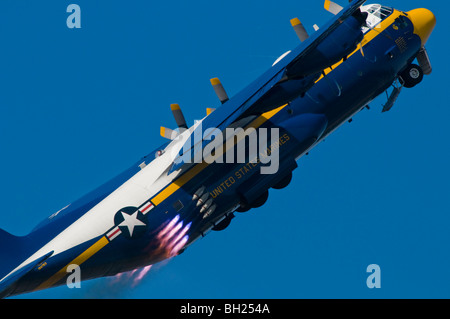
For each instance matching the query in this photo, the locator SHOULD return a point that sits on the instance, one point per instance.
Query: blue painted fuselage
(303, 123)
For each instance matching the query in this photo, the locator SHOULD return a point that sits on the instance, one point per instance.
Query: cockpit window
(377, 13)
(380, 11)
(372, 9)
(385, 12)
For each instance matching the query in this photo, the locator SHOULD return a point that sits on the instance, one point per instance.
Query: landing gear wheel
(284, 182)
(243, 208)
(261, 200)
(224, 223)
(412, 76)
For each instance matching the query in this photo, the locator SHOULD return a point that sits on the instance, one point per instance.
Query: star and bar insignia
(130, 221)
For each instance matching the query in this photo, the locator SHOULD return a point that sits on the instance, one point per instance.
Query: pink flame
(171, 240)
(172, 233)
(134, 276)
(168, 227)
(138, 278)
(180, 245)
(180, 235)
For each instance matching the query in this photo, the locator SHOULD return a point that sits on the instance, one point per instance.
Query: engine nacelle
(343, 41)
(285, 92)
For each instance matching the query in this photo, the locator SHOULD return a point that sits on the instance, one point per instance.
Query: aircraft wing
(239, 105)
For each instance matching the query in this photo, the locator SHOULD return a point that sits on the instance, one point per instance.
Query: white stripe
(112, 232)
(147, 207)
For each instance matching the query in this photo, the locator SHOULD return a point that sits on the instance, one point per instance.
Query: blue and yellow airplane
(165, 202)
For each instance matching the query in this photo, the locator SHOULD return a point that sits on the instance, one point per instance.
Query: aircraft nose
(424, 22)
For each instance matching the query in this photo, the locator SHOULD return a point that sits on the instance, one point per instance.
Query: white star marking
(131, 221)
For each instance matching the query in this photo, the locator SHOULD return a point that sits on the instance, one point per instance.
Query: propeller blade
(168, 133)
(299, 29)
(220, 91)
(179, 117)
(424, 61)
(332, 7)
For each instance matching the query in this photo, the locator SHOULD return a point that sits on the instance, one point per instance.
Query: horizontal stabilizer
(7, 283)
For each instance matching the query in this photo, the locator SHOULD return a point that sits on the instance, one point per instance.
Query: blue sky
(77, 106)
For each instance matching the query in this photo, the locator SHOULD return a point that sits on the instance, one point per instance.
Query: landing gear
(224, 223)
(261, 200)
(284, 182)
(411, 76)
(243, 208)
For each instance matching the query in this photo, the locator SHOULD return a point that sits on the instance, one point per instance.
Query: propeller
(299, 29)
(168, 133)
(220, 91)
(181, 122)
(179, 117)
(332, 7)
(424, 61)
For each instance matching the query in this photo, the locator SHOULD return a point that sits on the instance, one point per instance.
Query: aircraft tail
(11, 252)
(9, 246)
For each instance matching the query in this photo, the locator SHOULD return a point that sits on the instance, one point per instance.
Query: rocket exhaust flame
(169, 226)
(180, 235)
(133, 277)
(173, 232)
(179, 246)
(170, 240)
(140, 275)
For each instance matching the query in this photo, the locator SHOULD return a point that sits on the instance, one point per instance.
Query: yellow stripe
(177, 184)
(88, 253)
(372, 34)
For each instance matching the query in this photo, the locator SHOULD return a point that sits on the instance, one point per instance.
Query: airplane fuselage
(146, 215)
